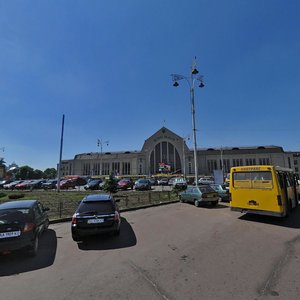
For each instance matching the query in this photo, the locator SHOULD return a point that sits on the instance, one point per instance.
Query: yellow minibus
(265, 190)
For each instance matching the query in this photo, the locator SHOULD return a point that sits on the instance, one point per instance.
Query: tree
(25, 172)
(110, 185)
(2, 162)
(50, 173)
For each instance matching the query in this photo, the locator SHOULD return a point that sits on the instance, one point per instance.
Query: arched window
(165, 152)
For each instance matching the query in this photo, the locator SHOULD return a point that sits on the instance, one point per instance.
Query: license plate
(95, 221)
(4, 235)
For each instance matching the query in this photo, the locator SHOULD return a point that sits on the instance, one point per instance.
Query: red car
(23, 185)
(125, 184)
(67, 183)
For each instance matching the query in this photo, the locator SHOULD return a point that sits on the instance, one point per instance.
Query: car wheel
(197, 203)
(33, 250)
(214, 203)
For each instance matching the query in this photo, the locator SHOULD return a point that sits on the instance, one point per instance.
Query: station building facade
(166, 148)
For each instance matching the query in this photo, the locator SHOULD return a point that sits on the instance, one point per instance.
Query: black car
(36, 184)
(49, 184)
(142, 185)
(21, 224)
(96, 214)
(93, 185)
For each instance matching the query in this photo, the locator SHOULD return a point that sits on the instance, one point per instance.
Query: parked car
(23, 185)
(96, 214)
(21, 225)
(3, 182)
(206, 180)
(125, 183)
(49, 184)
(153, 181)
(36, 184)
(171, 180)
(142, 185)
(222, 191)
(93, 184)
(179, 182)
(11, 186)
(199, 194)
(163, 181)
(67, 183)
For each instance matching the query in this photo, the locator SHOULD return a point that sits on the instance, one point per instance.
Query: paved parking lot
(175, 251)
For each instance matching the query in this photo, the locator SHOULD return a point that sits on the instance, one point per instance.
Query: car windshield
(143, 181)
(13, 215)
(206, 189)
(96, 206)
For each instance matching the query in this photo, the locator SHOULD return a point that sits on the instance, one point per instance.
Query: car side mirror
(46, 209)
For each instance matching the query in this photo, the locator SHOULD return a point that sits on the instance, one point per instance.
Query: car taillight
(74, 220)
(117, 216)
(28, 227)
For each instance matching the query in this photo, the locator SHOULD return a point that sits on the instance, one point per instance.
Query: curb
(68, 219)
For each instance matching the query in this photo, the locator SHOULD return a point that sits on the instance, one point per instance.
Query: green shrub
(16, 196)
(2, 195)
(110, 185)
(178, 189)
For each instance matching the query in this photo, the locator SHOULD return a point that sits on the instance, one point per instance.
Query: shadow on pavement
(292, 221)
(19, 262)
(126, 239)
(208, 205)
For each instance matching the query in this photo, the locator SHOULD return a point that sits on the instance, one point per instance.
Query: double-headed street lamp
(191, 80)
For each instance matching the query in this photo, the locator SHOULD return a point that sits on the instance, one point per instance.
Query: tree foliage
(50, 173)
(110, 185)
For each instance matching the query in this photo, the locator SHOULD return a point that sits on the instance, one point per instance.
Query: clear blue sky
(106, 65)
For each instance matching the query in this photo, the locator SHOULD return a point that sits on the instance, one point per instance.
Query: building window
(264, 161)
(295, 162)
(289, 161)
(237, 162)
(190, 167)
(126, 168)
(250, 161)
(86, 169)
(96, 169)
(296, 169)
(166, 153)
(105, 168)
(211, 165)
(116, 168)
(226, 165)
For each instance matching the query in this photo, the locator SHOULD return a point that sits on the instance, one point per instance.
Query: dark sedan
(21, 224)
(96, 214)
(93, 184)
(142, 185)
(49, 184)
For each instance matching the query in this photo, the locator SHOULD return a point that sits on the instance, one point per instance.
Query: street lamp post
(100, 144)
(184, 139)
(191, 81)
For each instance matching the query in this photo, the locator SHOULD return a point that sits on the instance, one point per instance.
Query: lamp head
(195, 71)
(176, 84)
(201, 85)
